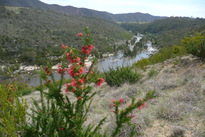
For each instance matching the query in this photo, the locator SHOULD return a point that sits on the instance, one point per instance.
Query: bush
(152, 73)
(142, 64)
(12, 111)
(120, 75)
(195, 45)
(63, 110)
(164, 54)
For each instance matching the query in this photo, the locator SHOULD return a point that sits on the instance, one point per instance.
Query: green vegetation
(27, 33)
(120, 75)
(64, 109)
(13, 111)
(168, 31)
(195, 45)
(152, 73)
(164, 54)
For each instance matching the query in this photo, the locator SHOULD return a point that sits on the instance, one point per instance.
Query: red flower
(70, 87)
(121, 100)
(47, 82)
(144, 104)
(100, 81)
(80, 34)
(79, 98)
(141, 106)
(60, 70)
(113, 100)
(71, 71)
(81, 81)
(90, 47)
(80, 71)
(113, 111)
(77, 60)
(72, 58)
(75, 71)
(66, 85)
(47, 70)
(87, 49)
(61, 128)
(74, 83)
(63, 46)
(131, 116)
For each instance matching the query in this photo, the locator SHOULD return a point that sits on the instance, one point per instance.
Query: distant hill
(33, 35)
(169, 31)
(129, 17)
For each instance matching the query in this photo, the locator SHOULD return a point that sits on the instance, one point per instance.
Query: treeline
(168, 31)
(33, 36)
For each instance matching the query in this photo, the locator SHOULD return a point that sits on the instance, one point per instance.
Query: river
(112, 61)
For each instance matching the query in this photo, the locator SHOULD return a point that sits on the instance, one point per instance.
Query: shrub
(120, 75)
(195, 45)
(164, 54)
(178, 50)
(67, 105)
(152, 73)
(142, 64)
(12, 111)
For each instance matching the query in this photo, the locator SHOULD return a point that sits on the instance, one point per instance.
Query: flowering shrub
(12, 111)
(125, 115)
(68, 103)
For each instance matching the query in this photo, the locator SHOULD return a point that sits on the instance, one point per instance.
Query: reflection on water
(118, 60)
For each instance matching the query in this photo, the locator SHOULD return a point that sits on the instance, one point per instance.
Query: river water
(109, 62)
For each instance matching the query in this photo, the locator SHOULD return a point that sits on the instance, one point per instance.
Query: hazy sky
(188, 8)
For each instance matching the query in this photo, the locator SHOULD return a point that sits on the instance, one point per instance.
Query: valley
(67, 71)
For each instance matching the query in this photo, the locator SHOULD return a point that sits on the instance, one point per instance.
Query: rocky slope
(178, 109)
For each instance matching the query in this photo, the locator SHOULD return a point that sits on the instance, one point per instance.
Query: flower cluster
(72, 58)
(61, 70)
(142, 104)
(48, 72)
(77, 69)
(120, 101)
(87, 49)
(100, 81)
(63, 46)
(80, 34)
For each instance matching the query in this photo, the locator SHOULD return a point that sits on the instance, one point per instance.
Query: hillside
(178, 109)
(169, 31)
(129, 17)
(36, 31)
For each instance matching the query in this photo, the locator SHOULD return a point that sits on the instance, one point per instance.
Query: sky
(183, 8)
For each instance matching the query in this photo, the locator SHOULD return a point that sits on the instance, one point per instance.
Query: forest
(169, 31)
(27, 33)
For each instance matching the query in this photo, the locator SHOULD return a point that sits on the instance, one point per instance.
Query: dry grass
(178, 110)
